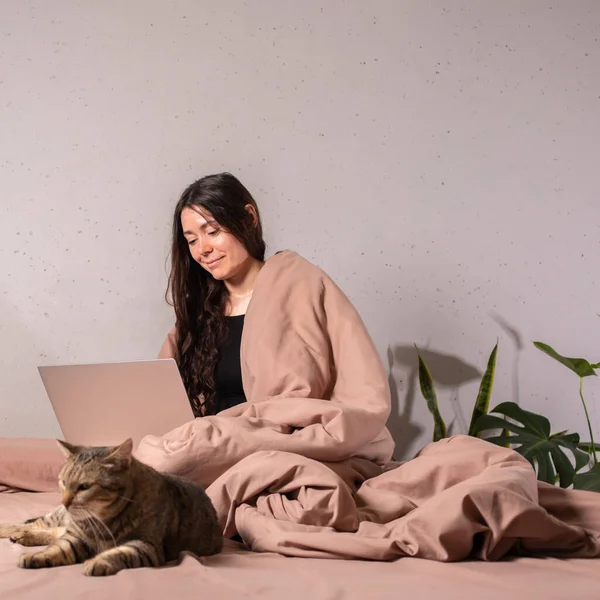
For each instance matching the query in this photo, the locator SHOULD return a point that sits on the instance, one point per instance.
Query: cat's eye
(84, 486)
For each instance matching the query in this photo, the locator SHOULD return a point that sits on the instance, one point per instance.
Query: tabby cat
(118, 513)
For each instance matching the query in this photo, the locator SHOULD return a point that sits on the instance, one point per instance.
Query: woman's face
(214, 249)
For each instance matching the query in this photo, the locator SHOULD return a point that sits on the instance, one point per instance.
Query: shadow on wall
(517, 339)
(446, 370)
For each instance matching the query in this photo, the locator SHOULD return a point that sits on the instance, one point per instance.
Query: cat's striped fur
(118, 513)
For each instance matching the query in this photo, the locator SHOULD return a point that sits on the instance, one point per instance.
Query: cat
(118, 513)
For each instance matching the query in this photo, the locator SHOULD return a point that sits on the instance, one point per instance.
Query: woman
(272, 353)
(217, 252)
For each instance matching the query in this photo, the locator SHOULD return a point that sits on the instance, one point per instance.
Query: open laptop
(104, 404)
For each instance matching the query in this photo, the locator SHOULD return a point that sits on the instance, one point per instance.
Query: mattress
(239, 573)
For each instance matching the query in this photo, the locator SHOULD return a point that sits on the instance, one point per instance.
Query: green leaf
(572, 443)
(563, 466)
(492, 422)
(586, 457)
(589, 480)
(546, 470)
(534, 423)
(482, 403)
(503, 440)
(578, 365)
(587, 446)
(428, 391)
(533, 440)
(582, 459)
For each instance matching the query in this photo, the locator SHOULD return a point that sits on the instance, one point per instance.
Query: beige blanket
(303, 468)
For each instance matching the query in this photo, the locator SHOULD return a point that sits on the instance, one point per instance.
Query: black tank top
(228, 375)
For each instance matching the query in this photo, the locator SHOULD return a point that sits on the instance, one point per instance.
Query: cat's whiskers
(106, 528)
(94, 529)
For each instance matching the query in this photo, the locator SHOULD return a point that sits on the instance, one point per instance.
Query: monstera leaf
(588, 446)
(581, 366)
(531, 436)
(589, 481)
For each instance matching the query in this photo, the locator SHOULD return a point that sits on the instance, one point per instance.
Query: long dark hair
(200, 300)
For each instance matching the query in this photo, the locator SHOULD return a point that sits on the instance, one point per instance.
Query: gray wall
(438, 159)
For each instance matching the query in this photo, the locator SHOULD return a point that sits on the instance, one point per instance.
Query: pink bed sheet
(238, 573)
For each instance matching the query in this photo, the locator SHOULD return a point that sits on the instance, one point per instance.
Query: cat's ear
(68, 449)
(121, 455)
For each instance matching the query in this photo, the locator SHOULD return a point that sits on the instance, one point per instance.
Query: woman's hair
(199, 300)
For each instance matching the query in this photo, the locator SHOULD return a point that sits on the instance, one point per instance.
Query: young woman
(217, 253)
(272, 353)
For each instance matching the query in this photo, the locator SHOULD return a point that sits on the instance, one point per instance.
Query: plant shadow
(517, 339)
(446, 371)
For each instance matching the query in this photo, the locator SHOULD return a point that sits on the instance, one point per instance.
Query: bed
(412, 556)
(240, 573)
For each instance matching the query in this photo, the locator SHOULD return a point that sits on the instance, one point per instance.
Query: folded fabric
(460, 498)
(30, 464)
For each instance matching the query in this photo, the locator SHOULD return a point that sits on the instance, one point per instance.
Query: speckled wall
(440, 163)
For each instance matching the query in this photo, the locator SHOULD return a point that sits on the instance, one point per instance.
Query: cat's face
(95, 480)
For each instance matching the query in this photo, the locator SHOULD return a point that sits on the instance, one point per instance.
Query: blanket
(304, 467)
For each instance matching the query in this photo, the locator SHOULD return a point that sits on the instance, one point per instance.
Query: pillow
(30, 464)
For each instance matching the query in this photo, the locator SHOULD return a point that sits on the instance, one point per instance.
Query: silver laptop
(104, 404)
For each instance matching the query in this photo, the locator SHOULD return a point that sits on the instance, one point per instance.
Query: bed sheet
(238, 573)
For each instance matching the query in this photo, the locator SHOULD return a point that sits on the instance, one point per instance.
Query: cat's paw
(33, 561)
(7, 530)
(25, 537)
(99, 567)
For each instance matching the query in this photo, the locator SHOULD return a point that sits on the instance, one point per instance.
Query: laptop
(104, 404)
